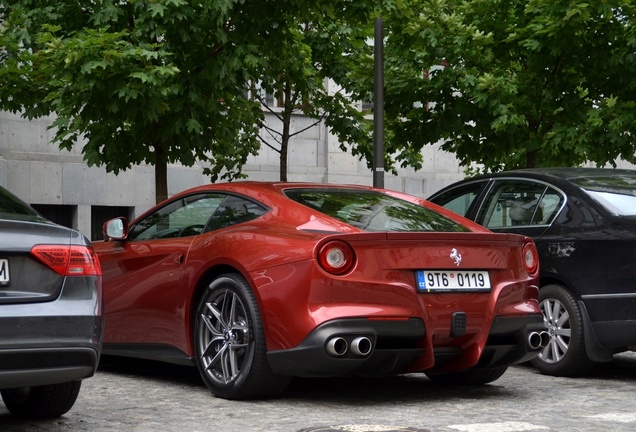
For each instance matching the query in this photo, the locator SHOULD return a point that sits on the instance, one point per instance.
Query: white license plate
(452, 280)
(5, 279)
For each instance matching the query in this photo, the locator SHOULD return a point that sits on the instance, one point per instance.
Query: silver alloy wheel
(557, 322)
(225, 339)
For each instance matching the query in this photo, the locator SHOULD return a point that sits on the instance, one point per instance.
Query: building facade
(60, 185)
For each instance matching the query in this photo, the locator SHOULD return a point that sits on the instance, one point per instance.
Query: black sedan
(51, 317)
(583, 221)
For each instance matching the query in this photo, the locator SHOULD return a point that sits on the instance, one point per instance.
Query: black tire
(47, 401)
(469, 377)
(230, 344)
(565, 354)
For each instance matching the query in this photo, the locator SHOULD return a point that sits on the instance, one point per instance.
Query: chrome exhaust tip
(545, 338)
(337, 346)
(534, 340)
(361, 346)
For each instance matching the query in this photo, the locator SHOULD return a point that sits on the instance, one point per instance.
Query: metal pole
(378, 105)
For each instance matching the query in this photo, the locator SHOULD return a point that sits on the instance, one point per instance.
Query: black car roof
(567, 173)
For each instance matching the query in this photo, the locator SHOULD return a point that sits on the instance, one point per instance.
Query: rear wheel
(469, 377)
(230, 342)
(565, 354)
(43, 401)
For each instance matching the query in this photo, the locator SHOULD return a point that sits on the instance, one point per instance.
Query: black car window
(11, 207)
(517, 202)
(460, 199)
(550, 205)
(617, 193)
(373, 211)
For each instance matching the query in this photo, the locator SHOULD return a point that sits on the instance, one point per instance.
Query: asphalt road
(140, 396)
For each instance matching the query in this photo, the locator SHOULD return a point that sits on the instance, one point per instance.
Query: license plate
(451, 280)
(5, 279)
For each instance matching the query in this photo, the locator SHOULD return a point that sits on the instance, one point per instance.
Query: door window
(519, 202)
(460, 199)
(195, 214)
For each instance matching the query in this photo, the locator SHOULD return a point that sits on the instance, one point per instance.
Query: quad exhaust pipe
(361, 346)
(537, 340)
(338, 346)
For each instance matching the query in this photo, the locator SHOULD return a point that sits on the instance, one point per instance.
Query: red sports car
(257, 282)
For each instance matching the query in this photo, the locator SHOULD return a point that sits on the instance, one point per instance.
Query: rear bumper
(51, 342)
(44, 366)
(508, 341)
(397, 345)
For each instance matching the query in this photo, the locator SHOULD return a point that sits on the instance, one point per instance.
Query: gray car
(51, 319)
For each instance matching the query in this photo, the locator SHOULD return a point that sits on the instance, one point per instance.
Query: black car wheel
(230, 342)
(565, 354)
(469, 377)
(41, 402)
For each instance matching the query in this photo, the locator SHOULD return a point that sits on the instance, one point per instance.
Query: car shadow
(167, 372)
(366, 390)
(622, 367)
(352, 390)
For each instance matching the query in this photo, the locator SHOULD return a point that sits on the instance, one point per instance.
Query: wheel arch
(545, 280)
(594, 349)
(204, 280)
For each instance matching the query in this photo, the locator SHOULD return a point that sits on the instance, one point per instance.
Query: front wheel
(47, 401)
(469, 377)
(230, 342)
(565, 354)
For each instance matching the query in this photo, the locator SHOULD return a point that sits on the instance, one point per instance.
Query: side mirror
(116, 229)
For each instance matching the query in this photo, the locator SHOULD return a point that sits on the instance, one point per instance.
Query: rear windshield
(373, 211)
(11, 207)
(617, 193)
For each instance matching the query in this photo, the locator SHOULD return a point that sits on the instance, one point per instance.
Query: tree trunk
(161, 175)
(284, 141)
(531, 159)
(284, 146)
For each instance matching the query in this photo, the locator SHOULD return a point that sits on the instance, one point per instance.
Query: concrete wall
(39, 173)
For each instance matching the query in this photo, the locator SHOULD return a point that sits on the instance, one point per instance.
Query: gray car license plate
(5, 279)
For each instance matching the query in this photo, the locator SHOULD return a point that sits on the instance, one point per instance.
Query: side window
(519, 203)
(234, 210)
(460, 199)
(551, 204)
(180, 218)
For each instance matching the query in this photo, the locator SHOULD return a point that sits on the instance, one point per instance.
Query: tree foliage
(163, 81)
(322, 46)
(510, 83)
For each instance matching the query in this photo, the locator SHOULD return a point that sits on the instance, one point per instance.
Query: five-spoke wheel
(230, 342)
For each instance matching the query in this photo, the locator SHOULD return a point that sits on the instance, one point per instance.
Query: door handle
(178, 259)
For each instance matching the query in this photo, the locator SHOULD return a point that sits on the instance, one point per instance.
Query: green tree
(321, 47)
(142, 81)
(510, 83)
(163, 81)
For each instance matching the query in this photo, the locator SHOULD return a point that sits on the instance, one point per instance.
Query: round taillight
(531, 259)
(336, 257)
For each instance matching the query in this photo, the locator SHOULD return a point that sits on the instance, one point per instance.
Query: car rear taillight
(336, 257)
(531, 259)
(69, 260)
